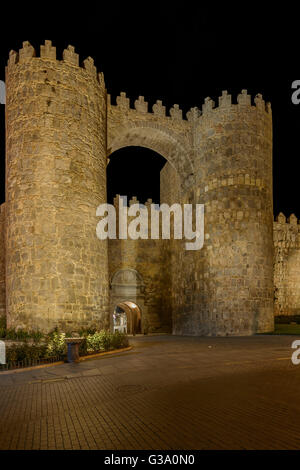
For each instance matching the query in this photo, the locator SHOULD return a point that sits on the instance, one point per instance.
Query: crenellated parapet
(194, 114)
(48, 53)
(142, 107)
(131, 202)
(126, 205)
(286, 236)
(286, 231)
(244, 101)
(125, 115)
(281, 219)
(216, 121)
(179, 137)
(169, 135)
(48, 87)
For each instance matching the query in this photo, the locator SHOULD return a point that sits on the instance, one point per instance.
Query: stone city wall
(2, 264)
(56, 268)
(227, 287)
(287, 265)
(61, 129)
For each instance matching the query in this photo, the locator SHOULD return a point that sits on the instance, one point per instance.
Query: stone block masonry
(61, 128)
(287, 265)
(56, 268)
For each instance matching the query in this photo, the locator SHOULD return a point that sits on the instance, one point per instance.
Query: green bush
(83, 349)
(2, 327)
(52, 333)
(19, 353)
(87, 332)
(286, 319)
(22, 335)
(98, 342)
(105, 341)
(119, 341)
(37, 336)
(56, 345)
(17, 335)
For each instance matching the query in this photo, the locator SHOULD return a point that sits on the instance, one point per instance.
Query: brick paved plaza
(167, 393)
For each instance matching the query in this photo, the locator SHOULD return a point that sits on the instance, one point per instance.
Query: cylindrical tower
(56, 268)
(235, 157)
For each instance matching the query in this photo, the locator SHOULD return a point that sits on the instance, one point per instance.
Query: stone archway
(172, 137)
(132, 324)
(127, 291)
(169, 136)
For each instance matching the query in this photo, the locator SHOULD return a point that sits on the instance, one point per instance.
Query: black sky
(180, 54)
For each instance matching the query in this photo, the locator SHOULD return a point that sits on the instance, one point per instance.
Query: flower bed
(34, 348)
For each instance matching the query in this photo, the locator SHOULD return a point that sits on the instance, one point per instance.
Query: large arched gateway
(61, 130)
(170, 136)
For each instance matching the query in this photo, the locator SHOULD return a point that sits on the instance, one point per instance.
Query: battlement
(291, 220)
(48, 52)
(132, 201)
(286, 232)
(70, 57)
(194, 115)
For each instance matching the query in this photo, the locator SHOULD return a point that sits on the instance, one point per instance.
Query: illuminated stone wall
(61, 129)
(170, 193)
(227, 287)
(56, 268)
(287, 265)
(2, 262)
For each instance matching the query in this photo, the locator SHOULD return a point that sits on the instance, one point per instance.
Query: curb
(28, 369)
(107, 353)
(81, 359)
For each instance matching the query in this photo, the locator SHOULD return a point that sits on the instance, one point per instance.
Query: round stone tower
(236, 266)
(56, 268)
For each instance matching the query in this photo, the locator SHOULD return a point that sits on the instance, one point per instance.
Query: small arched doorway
(127, 301)
(127, 318)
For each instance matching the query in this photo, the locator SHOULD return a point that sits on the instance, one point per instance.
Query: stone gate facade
(61, 128)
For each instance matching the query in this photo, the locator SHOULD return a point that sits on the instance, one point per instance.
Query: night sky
(180, 55)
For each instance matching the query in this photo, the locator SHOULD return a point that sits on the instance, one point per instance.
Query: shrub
(83, 348)
(17, 335)
(104, 341)
(119, 341)
(22, 335)
(19, 353)
(37, 336)
(84, 332)
(56, 345)
(98, 342)
(2, 327)
(52, 333)
(286, 319)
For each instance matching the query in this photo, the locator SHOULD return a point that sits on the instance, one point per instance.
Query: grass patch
(286, 329)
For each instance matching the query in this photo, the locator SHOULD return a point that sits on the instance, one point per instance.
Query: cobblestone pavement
(167, 393)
